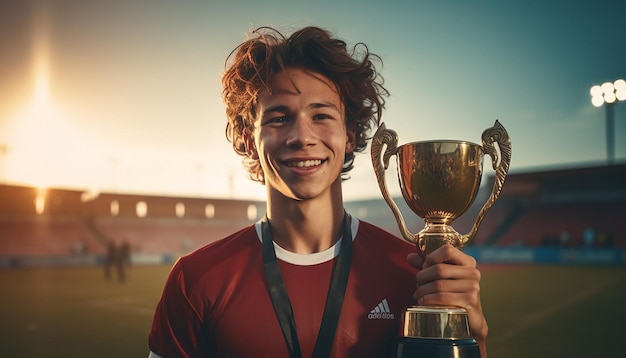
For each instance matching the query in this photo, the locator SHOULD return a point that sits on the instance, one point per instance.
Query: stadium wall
(489, 255)
(549, 255)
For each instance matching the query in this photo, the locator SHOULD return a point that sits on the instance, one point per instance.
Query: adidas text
(381, 311)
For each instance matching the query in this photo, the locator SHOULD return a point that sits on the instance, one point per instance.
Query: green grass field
(533, 311)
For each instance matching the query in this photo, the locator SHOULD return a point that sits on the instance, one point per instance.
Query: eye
(275, 120)
(321, 116)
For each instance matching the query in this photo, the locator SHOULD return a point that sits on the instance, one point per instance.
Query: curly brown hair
(268, 52)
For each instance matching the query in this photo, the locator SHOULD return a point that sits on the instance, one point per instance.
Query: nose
(301, 133)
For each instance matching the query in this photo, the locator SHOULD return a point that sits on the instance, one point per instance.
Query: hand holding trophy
(439, 181)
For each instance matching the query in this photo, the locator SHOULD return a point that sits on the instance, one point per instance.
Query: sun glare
(41, 146)
(40, 200)
(42, 88)
(41, 55)
(33, 124)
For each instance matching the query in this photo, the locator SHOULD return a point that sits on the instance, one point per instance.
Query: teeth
(305, 164)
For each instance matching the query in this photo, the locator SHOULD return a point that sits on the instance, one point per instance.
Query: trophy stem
(435, 234)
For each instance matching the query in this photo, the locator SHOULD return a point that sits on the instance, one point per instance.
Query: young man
(309, 279)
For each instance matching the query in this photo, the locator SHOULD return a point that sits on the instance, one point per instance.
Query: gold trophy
(439, 181)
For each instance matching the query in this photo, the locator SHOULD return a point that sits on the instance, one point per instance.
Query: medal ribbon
(334, 299)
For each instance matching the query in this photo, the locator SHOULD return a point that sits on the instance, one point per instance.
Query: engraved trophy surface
(439, 181)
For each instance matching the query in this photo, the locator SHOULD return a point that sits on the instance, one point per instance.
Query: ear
(251, 151)
(351, 140)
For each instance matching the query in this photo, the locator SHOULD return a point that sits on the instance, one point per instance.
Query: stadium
(566, 216)
(556, 234)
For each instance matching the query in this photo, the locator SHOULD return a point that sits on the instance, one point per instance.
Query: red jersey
(216, 303)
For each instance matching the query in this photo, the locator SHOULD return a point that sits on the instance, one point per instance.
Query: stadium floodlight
(608, 93)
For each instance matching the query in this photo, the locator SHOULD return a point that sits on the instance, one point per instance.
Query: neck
(305, 226)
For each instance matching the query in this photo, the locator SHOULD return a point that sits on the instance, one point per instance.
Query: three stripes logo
(381, 311)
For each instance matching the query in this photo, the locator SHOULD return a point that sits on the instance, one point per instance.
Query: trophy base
(439, 322)
(436, 331)
(409, 347)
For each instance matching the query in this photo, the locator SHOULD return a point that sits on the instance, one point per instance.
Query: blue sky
(125, 96)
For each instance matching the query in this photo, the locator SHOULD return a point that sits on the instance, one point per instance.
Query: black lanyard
(334, 299)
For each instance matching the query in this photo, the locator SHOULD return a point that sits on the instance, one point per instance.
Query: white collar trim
(309, 259)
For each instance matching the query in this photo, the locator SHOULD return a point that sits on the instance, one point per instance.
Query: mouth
(305, 163)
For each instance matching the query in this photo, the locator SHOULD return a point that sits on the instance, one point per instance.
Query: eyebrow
(315, 105)
(323, 105)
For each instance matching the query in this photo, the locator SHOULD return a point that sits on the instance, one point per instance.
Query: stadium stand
(59, 223)
(40, 235)
(535, 208)
(163, 235)
(572, 207)
(555, 224)
(560, 207)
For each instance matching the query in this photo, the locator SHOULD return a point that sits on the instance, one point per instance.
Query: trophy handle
(495, 134)
(389, 138)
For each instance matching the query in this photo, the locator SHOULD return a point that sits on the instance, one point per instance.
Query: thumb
(415, 259)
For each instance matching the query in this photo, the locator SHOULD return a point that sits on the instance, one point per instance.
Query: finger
(414, 259)
(443, 272)
(465, 297)
(465, 286)
(449, 254)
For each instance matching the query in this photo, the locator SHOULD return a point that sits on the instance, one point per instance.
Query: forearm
(483, 348)
(481, 338)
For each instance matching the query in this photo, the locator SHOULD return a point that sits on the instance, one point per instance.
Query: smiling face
(300, 135)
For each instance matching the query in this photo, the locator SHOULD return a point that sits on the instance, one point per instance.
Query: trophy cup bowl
(439, 181)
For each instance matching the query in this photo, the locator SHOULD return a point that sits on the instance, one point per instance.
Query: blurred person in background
(109, 258)
(117, 258)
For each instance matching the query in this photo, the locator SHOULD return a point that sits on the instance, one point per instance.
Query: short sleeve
(177, 326)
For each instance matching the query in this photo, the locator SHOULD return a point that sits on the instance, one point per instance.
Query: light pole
(609, 93)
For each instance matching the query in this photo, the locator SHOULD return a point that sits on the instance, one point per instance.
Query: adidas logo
(381, 311)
